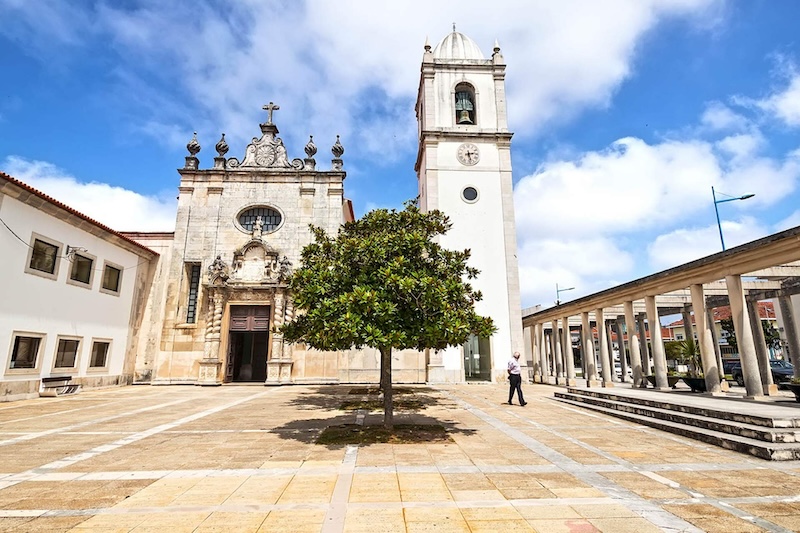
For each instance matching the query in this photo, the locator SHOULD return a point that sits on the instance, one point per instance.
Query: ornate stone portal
(258, 274)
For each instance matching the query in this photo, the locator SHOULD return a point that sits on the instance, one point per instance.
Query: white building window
(67, 350)
(25, 350)
(112, 279)
(43, 257)
(100, 349)
(82, 271)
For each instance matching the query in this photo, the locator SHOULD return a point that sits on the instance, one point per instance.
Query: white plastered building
(72, 295)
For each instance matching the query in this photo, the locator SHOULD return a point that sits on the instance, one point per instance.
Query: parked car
(618, 370)
(728, 364)
(782, 371)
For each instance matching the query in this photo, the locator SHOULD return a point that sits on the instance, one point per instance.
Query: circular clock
(468, 154)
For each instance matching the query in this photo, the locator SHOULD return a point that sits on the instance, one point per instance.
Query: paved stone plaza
(243, 458)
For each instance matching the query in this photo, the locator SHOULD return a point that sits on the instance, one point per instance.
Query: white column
(705, 339)
(623, 352)
(530, 360)
(762, 354)
(569, 355)
(587, 350)
(535, 359)
(744, 337)
(688, 333)
(610, 338)
(715, 339)
(542, 352)
(647, 360)
(552, 355)
(633, 344)
(557, 353)
(602, 342)
(659, 357)
(790, 331)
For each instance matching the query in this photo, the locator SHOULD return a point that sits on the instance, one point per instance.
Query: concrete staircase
(767, 431)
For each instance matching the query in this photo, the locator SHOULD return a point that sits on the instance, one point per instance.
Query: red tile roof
(72, 211)
(766, 310)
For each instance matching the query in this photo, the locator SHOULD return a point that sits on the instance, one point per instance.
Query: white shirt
(513, 366)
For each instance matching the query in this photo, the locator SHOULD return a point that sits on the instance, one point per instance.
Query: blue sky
(625, 113)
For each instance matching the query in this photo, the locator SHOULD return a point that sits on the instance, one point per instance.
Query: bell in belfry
(464, 106)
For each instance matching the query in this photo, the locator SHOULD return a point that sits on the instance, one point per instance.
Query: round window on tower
(266, 219)
(470, 195)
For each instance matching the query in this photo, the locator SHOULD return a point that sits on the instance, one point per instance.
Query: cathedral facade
(220, 291)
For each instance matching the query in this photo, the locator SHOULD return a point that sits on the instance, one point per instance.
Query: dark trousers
(515, 382)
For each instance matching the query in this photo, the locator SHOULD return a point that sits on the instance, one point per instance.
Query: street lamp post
(716, 210)
(558, 293)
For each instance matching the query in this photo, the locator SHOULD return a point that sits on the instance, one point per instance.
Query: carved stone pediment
(266, 151)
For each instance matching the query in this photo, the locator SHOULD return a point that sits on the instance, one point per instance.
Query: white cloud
(784, 104)
(629, 185)
(687, 244)
(742, 145)
(323, 62)
(44, 25)
(622, 197)
(118, 208)
(718, 116)
(791, 221)
(583, 263)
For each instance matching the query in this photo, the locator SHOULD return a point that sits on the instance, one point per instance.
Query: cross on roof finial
(270, 108)
(454, 27)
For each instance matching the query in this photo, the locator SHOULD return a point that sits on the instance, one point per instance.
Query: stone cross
(270, 108)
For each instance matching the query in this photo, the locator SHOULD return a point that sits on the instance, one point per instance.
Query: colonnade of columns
(553, 358)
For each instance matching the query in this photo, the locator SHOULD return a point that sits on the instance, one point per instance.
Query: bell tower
(464, 169)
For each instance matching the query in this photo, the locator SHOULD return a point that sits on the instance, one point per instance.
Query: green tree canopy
(385, 283)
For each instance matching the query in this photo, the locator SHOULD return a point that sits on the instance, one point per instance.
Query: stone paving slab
(243, 459)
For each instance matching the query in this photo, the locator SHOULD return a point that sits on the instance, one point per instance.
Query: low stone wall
(19, 390)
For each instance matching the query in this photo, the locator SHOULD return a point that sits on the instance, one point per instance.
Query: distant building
(675, 331)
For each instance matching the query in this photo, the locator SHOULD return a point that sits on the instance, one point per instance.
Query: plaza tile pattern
(244, 458)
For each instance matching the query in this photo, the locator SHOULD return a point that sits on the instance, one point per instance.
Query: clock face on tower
(468, 154)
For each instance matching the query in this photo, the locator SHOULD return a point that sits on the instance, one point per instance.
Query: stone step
(674, 404)
(771, 451)
(742, 429)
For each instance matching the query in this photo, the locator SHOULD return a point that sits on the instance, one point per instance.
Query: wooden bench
(53, 386)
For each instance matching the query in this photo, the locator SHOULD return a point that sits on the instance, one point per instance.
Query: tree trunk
(386, 383)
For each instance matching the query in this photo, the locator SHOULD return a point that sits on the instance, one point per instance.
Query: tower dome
(456, 45)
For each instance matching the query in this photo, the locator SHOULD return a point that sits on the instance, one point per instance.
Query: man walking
(515, 380)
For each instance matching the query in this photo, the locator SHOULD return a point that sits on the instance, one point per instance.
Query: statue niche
(257, 262)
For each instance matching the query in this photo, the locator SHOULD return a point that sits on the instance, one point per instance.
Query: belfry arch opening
(465, 104)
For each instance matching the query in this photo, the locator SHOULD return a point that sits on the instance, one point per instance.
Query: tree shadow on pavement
(357, 409)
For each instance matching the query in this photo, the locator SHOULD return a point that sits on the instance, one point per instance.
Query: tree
(771, 336)
(726, 324)
(687, 352)
(384, 283)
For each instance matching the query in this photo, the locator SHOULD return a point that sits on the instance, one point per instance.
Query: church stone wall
(149, 335)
